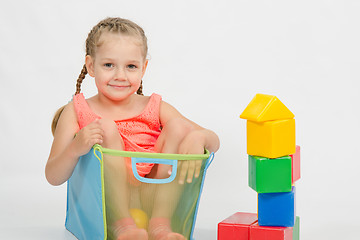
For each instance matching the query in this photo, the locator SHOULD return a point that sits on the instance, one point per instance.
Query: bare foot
(172, 236)
(133, 234)
(159, 229)
(125, 229)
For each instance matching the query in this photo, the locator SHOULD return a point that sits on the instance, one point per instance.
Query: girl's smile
(119, 87)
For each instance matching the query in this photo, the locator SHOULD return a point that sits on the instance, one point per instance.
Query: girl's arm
(190, 139)
(66, 149)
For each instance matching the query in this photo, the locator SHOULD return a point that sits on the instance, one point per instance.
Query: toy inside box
(100, 189)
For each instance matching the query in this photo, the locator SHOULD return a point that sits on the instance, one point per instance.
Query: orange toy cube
(271, 139)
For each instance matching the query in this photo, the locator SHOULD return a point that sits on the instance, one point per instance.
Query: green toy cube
(296, 229)
(269, 175)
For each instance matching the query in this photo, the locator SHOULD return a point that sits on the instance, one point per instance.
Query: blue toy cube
(277, 209)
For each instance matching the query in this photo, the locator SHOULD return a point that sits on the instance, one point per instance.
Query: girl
(116, 118)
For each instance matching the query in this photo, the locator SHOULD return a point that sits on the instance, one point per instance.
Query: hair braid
(80, 79)
(139, 91)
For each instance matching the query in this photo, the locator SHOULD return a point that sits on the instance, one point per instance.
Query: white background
(208, 59)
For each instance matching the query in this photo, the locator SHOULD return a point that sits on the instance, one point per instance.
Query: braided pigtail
(139, 91)
(60, 110)
(80, 79)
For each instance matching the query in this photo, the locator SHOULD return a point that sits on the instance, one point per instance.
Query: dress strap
(83, 112)
(153, 107)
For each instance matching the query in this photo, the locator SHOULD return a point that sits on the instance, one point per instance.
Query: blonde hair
(111, 25)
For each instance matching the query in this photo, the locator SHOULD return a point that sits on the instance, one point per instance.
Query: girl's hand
(87, 137)
(193, 143)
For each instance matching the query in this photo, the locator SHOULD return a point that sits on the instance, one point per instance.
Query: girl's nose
(120, 74)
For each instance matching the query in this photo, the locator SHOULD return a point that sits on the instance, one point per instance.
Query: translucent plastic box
(98, 189)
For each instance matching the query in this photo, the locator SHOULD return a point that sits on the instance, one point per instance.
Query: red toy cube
(236, 227)
(295, 164)
(270, 233)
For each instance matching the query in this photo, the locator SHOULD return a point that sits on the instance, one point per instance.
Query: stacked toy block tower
(274, 166)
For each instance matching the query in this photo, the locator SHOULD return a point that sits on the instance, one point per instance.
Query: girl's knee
(178, 128)
(112, 138)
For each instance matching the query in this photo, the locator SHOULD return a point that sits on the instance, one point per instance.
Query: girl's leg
(117, 192)
(167, 195)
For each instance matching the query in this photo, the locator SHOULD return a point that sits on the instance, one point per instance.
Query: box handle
(173, 163)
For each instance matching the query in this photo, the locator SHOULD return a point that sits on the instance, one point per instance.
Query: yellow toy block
(271, 139)
(264, 108)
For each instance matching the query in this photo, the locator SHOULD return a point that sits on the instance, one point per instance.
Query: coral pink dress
(139, 133)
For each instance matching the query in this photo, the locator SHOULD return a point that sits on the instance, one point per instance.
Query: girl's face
(118, 66)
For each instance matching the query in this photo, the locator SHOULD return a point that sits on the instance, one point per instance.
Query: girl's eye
(108, 65)
(132, 66)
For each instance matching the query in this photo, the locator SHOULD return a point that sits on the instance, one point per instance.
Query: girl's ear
(89, 62)
(144, 67)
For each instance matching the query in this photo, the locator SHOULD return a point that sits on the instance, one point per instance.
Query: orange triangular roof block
(264, 108)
